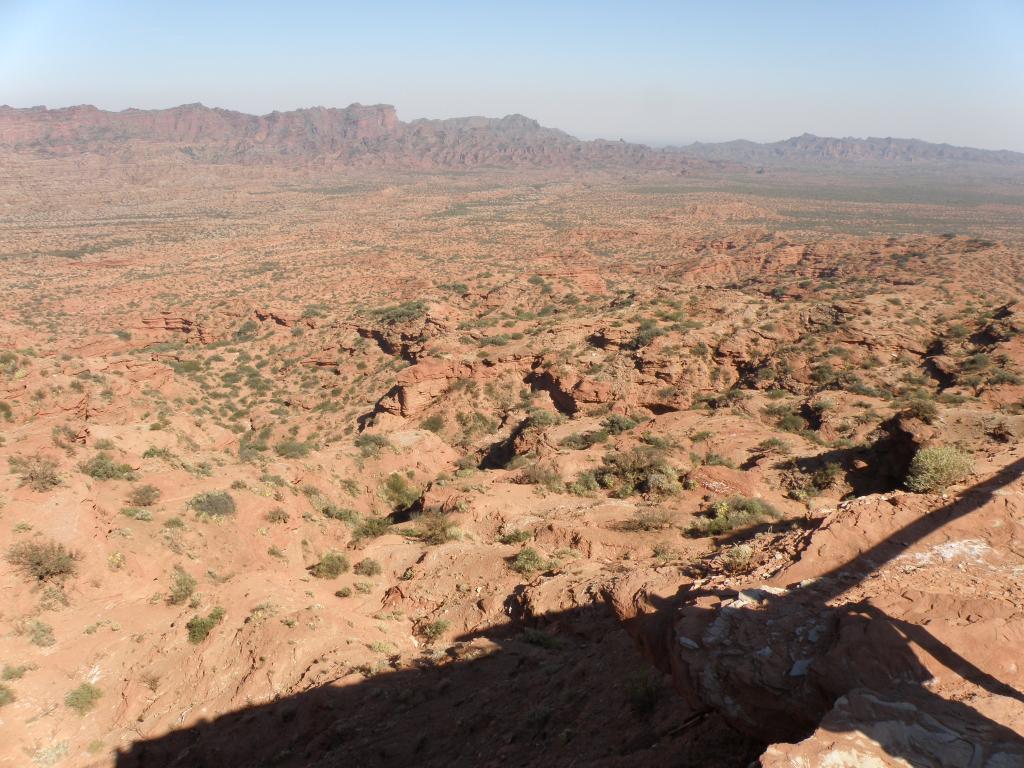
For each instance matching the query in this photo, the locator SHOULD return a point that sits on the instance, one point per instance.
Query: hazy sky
(658, 72)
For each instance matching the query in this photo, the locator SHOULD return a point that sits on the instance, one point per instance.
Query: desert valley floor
(320, 466)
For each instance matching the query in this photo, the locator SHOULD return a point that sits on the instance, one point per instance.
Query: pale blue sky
(659, 72)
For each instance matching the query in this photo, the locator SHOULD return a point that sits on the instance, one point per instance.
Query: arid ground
(319, 465)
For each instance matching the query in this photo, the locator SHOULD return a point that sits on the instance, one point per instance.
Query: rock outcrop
(887, 637)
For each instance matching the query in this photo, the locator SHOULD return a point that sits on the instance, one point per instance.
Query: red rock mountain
(356, 135)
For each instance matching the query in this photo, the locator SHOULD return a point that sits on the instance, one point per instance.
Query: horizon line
(653, 144)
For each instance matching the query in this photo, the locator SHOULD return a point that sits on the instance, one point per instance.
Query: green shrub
(367, 567)
(401, 313)
(544, 475)
(712, 459)
(516, 537)
(39, 633)
(277, 515)
(616, 424)
(737, 512)
(144, 495)
(199, 627)
(43, 560)
(774, 445)
(648, 519)
(434, 630)
(182, 586)
(664, 551)
(83, 698)
(737, 558)
(935, 469)
(537, 419)
(580, 441)
(331, 566)
(399, 493)
(103, 467)
(372, 527)
(345, 514)
(640, 469)
(16, 672)
(37, 471)
(922, 409)
(292, 449)
(585, 484)
(136, 513)
(213, 504)
(160, 453)
(528, 561)
(645, 692)
(371, 445)
(6, 695)
(433, 423)
(435, 528)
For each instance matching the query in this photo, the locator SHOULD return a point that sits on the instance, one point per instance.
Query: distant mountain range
(820, 149)
(355, 136)
(374, 136)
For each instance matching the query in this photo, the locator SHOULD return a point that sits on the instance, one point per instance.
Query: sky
(648, 71)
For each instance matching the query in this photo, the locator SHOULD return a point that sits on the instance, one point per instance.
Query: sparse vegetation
(39, 633)
(370, 445)
(528, 561)
(215, 504)
(432, 631)
(367, 567)
(372, 527)
(292, 449)
(618, 375)
(399, 493)
(435, 527)
(278, 516)
(182, 586)
(516, 537)
(199, 627)
(43, 560)
(330, 566)
(936, 468)
(103, 467)
(642, 469)
(83, 699)
(38, 472)
(736, 512)
(144, 495)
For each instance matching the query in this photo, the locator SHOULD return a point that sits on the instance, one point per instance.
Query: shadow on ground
(574, 691)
